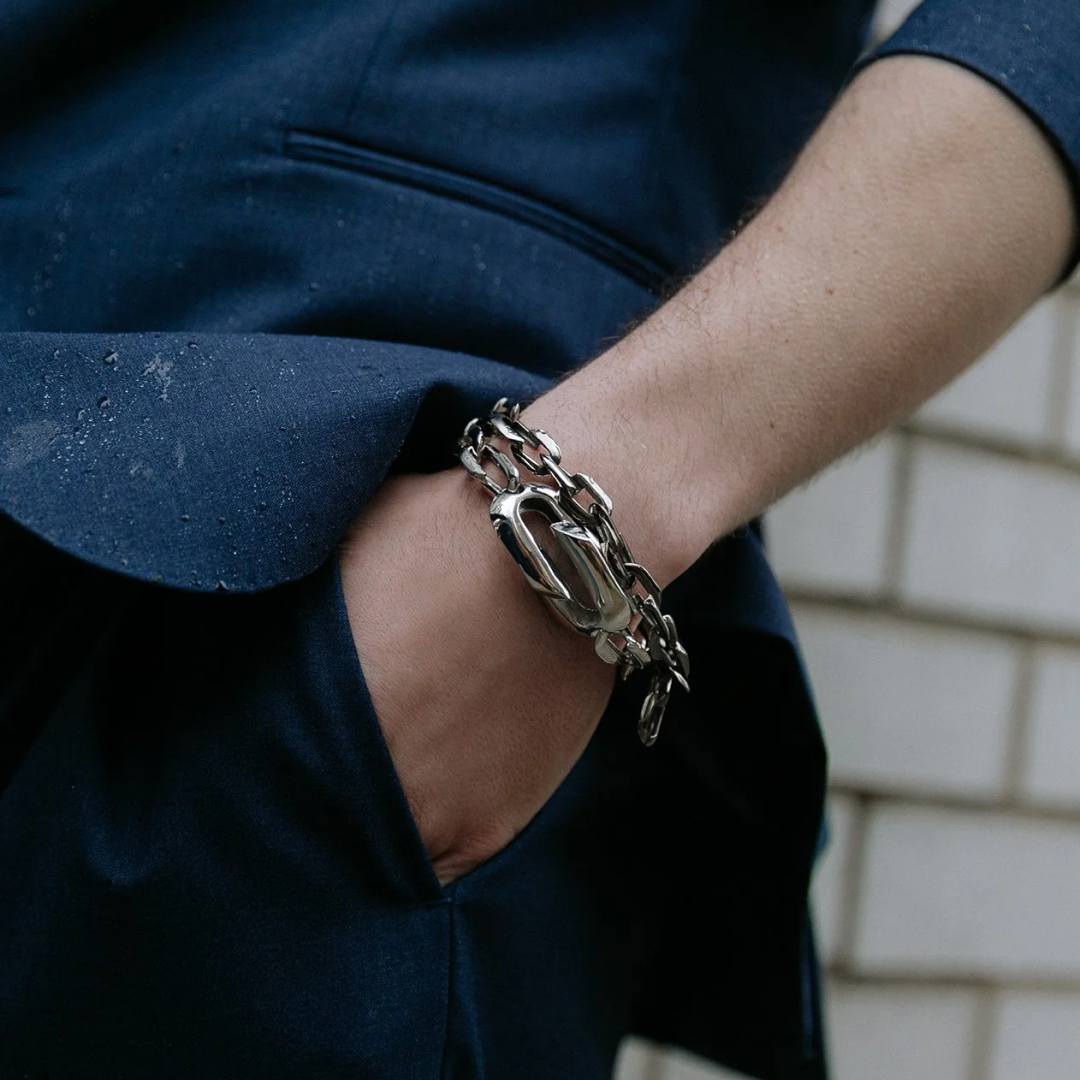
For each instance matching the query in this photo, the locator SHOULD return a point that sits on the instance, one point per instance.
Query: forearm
(923, 218)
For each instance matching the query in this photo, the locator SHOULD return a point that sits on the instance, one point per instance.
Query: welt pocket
(327, 150)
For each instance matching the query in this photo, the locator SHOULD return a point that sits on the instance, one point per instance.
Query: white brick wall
(900, 1033)
(1037, 1037)
(908, 706)
(1051, 774)
(1008, 393)
(1071, 352)
(992, 537)
(834, 533)
(955, 893)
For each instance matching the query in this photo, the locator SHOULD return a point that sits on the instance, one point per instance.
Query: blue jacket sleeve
(1028, 48)
(221, 461)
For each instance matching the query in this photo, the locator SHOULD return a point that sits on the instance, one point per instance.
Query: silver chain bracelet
(620, 590)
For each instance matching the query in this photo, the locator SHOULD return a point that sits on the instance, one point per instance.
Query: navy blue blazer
(253, 257)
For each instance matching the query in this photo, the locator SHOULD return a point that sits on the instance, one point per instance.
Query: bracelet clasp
(609, 609)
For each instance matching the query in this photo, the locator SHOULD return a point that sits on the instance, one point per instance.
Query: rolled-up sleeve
(1028, 48)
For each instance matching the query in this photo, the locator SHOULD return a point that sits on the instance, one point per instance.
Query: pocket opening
(438, 180)
(412, 854)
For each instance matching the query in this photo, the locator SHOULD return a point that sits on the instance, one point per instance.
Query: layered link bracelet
(622, 613)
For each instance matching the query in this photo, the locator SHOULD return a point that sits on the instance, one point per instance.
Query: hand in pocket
(485, 697)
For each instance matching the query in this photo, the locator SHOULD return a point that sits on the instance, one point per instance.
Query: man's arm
(924, 216)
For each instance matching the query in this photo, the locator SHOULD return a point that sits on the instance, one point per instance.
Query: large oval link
(641, 636)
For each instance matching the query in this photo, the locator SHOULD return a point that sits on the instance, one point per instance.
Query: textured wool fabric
(253, 257)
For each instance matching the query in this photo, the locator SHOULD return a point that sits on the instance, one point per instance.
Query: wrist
(669, 499)
(608, 595)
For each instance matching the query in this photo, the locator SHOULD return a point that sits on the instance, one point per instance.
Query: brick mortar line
(1018, 741)
(983, 1035)
(1045, 455)
(1059, 404)
(852, 878)
(849, 976)
(941, 618)
(896, 536)
(887, 797)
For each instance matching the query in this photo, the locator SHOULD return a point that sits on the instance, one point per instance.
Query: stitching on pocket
(324, 150)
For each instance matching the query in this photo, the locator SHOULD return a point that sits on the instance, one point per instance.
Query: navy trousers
(211, 868)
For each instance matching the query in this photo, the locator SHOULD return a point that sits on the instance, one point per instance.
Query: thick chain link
(649, 637)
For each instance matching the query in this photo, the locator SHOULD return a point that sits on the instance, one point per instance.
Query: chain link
(649, 639)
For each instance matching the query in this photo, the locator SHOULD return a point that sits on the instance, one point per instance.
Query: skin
(923, 218)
